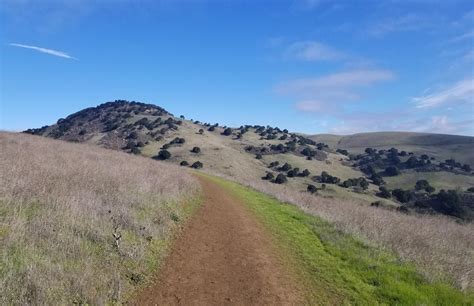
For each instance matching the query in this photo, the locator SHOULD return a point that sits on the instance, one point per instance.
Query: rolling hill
(251, 153)
(439, 145)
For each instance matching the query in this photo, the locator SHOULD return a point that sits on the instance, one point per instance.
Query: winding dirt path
(223, 257)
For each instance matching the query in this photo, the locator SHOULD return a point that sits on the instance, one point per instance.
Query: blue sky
(309, 66)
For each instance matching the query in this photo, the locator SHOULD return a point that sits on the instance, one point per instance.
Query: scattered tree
(280, 179)
(164, 154)
(184, 163)
(403, 196)
(383, 193)
(392, 171)
(269, 176)
(311, 188)
(197, 165)
(227, 132)
(196, 150)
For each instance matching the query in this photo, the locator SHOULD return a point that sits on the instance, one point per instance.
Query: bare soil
(222, 257)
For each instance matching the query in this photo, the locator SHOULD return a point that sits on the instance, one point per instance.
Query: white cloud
(336, 82)
(44, 50)
(404, 121)
(312, 51)
(328, 93)
(406, 23)
(467, 35)
(460, 93)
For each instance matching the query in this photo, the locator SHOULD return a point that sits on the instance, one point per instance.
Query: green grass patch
(336, 268)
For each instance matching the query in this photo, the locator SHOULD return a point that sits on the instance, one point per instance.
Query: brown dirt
(222, 257)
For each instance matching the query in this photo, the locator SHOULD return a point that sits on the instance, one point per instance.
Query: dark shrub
(403, 196)
(448, 202)
(132, 135)
(305, 173)
(292, 173)
(422, 184)
(273, 164)
(383, 193)
(280, 179)
(285, 167)
(430, 189)
(466, 168)
(164, 154)
(211, 129)
(327, 178)
(258, 156)
(197, 165)
(377, 180)
(356, 182)
(269, 176)
(413, 162)
(201, 131)
(178, 140)
(392, 171)
(312, 189)
(227, 132)
(184, 163)
(308, 152)
(196, 150)
(343, 152)
(166, 146)
(135, 150)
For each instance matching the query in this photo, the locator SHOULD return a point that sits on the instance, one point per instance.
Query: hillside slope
(439, 145)
(278, 156)
(80, 224)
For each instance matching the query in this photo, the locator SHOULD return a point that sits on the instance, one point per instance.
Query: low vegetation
(336, 268)
(440, 247)
(80, 224)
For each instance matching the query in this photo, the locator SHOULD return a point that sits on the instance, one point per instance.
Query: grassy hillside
(337, 268)
(254, 152)
(440, 247)
(438, 145)
(80, 224)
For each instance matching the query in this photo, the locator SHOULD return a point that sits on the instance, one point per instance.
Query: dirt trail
(222, 257)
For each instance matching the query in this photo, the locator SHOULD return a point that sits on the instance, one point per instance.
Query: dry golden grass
(441, 248)
(63, 207)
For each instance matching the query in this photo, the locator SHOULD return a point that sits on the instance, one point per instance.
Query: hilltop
(405, 171)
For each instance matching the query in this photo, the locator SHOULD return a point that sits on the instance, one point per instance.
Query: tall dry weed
(80, 224)
(440, 247)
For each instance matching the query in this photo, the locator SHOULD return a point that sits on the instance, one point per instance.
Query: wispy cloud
(460, 93)
(405, 23)
(44, 50)
(328, 93)
(401, 121)
(466, 36)
(312, 51)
